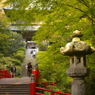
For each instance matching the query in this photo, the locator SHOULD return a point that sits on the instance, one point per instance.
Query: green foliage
(9, 41)
(19, 54)
(4, 38)
(6, 61)
(15, 42)
(12, 48)
(19, 70)
(52, 70)
(42, 46)
(22, 48)
(90, 80)
(1, 55)
(9, 61)
(17, 62)
(60, 18)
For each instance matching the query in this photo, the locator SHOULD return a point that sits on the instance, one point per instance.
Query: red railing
(33, 89)
(51, 92)
(46, 84)
(5, 74)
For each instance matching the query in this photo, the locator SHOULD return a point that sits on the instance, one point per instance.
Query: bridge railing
(33, 89)
(5, 74)
(34, 77)
(51, 92)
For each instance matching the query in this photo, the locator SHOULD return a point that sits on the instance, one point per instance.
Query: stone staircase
(28, 58)
(18, 86)
(14, 89)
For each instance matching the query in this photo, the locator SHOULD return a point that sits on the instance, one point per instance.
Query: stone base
(78, 72)
(78, 87)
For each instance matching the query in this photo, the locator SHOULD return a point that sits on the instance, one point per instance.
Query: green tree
(10, 47)
(15, 42)
(3, 38)
(60, 18)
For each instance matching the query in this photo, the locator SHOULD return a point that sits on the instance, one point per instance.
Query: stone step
(14, 94)
(14, 89)
(14, 85)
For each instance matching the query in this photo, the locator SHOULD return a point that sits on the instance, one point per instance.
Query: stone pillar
(78, 71)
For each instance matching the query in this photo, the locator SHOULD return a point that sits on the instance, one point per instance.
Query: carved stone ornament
(77, 47)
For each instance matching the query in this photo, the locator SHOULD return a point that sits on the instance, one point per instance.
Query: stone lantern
(77, 50)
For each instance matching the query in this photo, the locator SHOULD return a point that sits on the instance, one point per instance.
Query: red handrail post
(5, 72)
(32, 85)
(52, 93)
(32, 88)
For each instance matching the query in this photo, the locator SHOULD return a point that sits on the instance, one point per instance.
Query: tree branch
(84, 3)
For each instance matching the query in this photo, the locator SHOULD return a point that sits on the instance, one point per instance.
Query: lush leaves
(60, 18)
(19, 55)
(10, 48)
